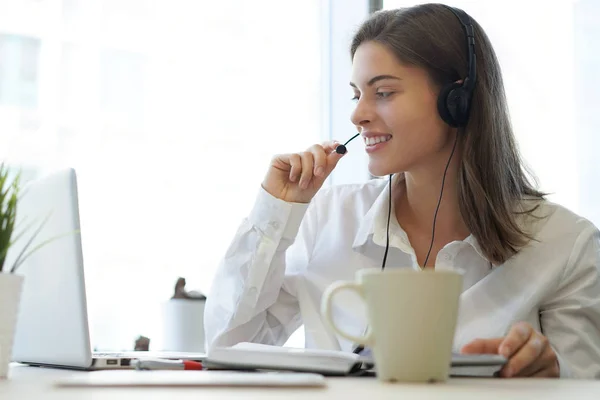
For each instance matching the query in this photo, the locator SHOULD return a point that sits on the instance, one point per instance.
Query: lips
(376, 142)
(375, 139)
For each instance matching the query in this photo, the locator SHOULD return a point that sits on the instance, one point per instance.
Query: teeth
(376, 139)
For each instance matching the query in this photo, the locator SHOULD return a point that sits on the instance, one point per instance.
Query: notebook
(251, 356)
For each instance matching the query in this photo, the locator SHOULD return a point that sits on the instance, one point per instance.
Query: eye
(383, 95)
(356, 97)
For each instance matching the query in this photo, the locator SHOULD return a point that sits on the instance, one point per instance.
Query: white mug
(412, 320)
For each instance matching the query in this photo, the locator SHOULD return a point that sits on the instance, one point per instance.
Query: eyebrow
(377, 79)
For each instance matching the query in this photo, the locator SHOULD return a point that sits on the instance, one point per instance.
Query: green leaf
(36, 248)
(8, 209)
(5, 249)
(10, 194)
(30, 241)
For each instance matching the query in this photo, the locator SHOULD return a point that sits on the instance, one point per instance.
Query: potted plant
(11, 283)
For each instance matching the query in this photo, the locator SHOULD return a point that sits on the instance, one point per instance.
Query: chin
(378, 168)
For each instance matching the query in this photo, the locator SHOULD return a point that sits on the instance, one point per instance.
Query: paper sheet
(132, 378)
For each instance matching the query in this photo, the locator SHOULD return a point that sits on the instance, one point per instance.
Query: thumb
(482, 346)
(332, 159)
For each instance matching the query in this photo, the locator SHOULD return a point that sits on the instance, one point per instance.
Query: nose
(363, 113)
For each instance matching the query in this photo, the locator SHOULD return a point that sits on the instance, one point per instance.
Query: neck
(417, 197)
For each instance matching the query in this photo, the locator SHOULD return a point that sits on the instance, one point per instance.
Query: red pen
(163, 364)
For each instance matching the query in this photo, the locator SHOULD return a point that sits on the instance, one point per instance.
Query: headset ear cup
(459, 102)
(446, 103)
(443, 110)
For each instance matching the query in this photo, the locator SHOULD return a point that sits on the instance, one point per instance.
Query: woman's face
(396, 112)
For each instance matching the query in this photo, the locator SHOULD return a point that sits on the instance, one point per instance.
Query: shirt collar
(475, 244)
(375, 220)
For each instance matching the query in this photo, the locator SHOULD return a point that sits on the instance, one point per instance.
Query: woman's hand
(298, 177)
(528, 352)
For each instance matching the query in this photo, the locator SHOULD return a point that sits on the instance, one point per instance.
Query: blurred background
(170, 111)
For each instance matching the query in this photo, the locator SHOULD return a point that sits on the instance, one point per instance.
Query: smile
(370, 141)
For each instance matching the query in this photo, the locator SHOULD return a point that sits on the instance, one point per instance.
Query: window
(18, 70)
(170, 112)
(548, 52)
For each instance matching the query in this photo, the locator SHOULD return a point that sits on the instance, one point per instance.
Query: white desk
(26, 383)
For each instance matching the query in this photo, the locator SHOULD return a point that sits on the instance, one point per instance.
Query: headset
(454, 100)
(454, 106)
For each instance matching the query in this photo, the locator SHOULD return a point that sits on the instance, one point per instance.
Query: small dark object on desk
(181, 293)
(142, 343)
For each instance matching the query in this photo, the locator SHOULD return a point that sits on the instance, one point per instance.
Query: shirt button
(275, 225)
(446, 257)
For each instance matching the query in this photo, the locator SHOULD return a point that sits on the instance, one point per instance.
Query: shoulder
(563, 245)
(571, 243)
(562, 237)
(552, 222)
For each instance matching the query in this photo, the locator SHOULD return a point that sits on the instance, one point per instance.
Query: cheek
(409, 116)
(416, 125)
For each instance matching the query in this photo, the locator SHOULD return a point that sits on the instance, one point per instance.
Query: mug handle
(326, 304)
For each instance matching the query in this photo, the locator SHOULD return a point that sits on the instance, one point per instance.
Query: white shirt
(285, 255)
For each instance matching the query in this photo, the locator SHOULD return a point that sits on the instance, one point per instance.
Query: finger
(544, 361)
(296, 166)
(332, 160)
(525, 356)
(330, 146)
(552, 372)
(516, 338)
(482, 346)
(307, 169)
(320, 159)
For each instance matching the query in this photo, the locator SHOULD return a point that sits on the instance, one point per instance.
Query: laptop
(52, 327)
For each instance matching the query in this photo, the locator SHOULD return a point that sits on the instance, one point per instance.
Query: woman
(531, 269)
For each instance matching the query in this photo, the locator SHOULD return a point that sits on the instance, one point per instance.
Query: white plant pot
(183, 325)
(10, 297)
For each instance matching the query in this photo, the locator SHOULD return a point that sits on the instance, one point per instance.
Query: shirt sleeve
(571, 320)
(253, 298)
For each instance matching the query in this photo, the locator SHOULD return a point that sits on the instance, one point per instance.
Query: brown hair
(492, 179)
